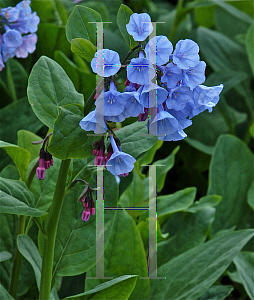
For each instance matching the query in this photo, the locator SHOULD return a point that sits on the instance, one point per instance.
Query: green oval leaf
(48, 88)
(83, 48)
(20, 156)
(81, 24)
(123, 18)
(17, 199)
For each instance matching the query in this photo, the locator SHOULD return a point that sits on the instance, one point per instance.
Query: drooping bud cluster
(87, 199)
(45, 158)
(15, 24)
(162, 83)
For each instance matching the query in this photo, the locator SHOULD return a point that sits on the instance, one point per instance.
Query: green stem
(51, 229)
(17, 261)
(32, 173)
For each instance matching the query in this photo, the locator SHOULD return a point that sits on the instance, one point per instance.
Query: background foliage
(205, 191)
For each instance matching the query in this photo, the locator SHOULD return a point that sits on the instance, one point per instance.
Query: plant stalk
(17, 261)
(51, 230)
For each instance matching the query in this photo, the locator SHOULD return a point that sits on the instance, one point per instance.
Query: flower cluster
(162, 82)
(15, 24)
(87, 199)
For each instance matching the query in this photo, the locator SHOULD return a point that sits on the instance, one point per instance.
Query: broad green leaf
(81, 24)
(226, 16)
(48, 88)
(190, 274)
(47, 11)
(9, 227)
(135, 139)
(69, 140)
(5, 255)
(69, 67)
(118, 288)
(204, 16)
(123, 18)
(245, 266)
(133, 195)
(4, 294)
(217, 292)
(20, 156)
(231, 176)
(43, 190)
(16, 78)
(179, 201)
(249, 45)
(125, 255)
(148, 156)
(10, 172)
(16, 116)
(161, 171)
(101, 8)
(229, 79)
(25, 139)
(28, 249)
(204, 202)
(83, 48)
(251, 196)
(220, 52)
(56, 40)
(207, 127)
(17, 199)
(192, 233)
(75, 249)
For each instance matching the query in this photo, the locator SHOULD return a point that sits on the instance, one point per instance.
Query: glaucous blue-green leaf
(226, 16)
(249, 45)
(245, 266)
(15, 116)
(190, 274)
(217, 292)
(28, 249)
(82, 24)
(56, 40)
(125, 255)
(251, 196)
(5, 255)
(4, 294)
(20, 156)
(123, 18)
(25, 139)
(179, 201)
(69, 140)
(49, 88)
(16, 79)
(17, 199)
(75, 250)
(220, 52)
(135, 139)
(118, 288)
(83, 48)
(204, 202)
(231, 176)
(193, 232)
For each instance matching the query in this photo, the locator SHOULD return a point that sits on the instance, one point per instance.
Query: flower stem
(17, 261)
(177, 19)
(51, 230)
